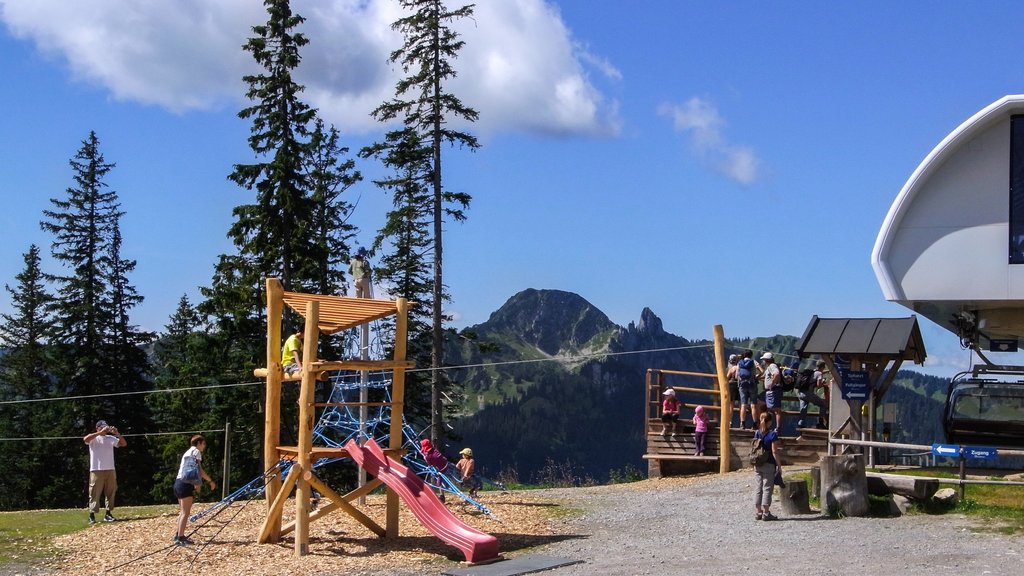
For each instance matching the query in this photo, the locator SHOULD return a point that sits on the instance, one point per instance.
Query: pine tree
(184, 360)
(96, 350)
(274, 231)
(407, 232)
(24, 376)
(273, 235)
(296, 228)
(426, 56)
(82, 225)
(331, 176)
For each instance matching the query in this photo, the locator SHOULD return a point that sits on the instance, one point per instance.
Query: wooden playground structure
(669, 455)
(323, 315)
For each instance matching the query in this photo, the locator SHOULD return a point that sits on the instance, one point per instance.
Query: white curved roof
(943, 247)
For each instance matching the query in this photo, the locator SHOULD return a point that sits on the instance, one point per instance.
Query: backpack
(190, 472)
(788, 379)
(805, 380)
(745, 369)
(758, 452)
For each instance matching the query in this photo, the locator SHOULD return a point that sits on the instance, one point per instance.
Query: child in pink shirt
(700, 427)
(669, 411)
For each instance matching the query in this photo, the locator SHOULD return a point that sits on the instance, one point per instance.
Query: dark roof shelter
(878, 346)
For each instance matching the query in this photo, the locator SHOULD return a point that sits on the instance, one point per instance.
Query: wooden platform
(673, 455)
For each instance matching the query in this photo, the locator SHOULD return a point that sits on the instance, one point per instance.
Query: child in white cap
(669, 411)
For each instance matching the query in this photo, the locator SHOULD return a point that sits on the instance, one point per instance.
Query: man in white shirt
(102, 477)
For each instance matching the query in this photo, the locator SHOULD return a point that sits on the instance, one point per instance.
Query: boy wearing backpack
(747, 372)
(805, 385)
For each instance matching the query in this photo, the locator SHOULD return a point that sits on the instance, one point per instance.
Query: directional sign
(1002, 345)
(948, 450)
(980, 452)
(855, 385)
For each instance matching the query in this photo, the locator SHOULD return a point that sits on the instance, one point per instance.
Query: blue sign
(947, 450)
(855, 385)
(980, 452)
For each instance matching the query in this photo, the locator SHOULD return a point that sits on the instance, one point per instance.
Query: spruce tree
(406, 235)
(287, 231)
(24, 376)
(96, 349)
(424, 106)
(331, 175)
(184, 360)
(274, 232)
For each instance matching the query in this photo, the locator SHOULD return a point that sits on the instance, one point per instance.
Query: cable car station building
(951, 249)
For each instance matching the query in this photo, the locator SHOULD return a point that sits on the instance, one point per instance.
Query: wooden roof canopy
(889, 337)
(339, 313)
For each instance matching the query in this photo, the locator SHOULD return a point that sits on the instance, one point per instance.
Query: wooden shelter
(867, 353)
(323, 315)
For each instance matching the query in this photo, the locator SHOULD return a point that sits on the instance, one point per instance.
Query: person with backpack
(806, 383)
(764, 456)
(746, 376)
(189, 481)
(772, 387)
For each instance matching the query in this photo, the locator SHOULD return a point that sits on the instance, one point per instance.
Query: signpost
(855, 384)
(962, 453)
(1002, 345)
(981, 452)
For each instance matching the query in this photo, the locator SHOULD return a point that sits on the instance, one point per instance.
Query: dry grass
(338, 544)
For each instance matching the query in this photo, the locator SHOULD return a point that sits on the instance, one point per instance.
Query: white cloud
(700, 120)
(521, 68)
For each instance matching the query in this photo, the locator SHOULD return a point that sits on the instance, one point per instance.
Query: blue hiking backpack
(746, 369)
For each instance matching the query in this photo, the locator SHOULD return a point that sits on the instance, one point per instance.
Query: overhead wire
(426, 369)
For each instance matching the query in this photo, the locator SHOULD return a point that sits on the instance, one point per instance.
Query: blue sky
(719, 162)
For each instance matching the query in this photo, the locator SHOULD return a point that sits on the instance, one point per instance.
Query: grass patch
(26, 537)
(1001, 506)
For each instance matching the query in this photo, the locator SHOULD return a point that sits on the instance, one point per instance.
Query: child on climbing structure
(669, 411)
(466, 467)
(700, 427)
(434, 458)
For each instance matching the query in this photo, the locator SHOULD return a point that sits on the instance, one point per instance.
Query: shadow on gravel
(361, 546)
(807, 518)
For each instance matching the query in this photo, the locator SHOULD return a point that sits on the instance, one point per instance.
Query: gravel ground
(707, 525)
(667, 526)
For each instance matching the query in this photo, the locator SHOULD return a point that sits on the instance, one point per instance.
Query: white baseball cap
(767, 356)
(669, 392)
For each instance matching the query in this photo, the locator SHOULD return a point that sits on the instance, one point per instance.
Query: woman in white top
(184, 489)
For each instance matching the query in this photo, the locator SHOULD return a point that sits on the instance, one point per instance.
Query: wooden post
(225, 476)
(272, 404)
(794, 498)
(723, 389)
(844, 485)
(307, 417)
(397, 408)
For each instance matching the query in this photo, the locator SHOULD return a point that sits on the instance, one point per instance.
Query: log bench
(921, 489)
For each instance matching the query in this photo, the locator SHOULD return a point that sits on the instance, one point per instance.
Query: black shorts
(669, 417)
(183, 489)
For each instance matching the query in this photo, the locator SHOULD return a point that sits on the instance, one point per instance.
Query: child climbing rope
(466, 467)
(434, 458)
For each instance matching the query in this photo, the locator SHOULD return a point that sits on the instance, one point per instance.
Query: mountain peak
(554, 321)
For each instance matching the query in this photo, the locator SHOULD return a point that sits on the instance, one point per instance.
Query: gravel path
(706, 525)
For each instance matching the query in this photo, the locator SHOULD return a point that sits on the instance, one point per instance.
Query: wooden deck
(674, 454)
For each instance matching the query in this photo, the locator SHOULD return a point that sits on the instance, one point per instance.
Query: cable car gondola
(985, 411)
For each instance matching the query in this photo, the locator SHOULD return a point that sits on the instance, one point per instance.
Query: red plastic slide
(474, 544)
